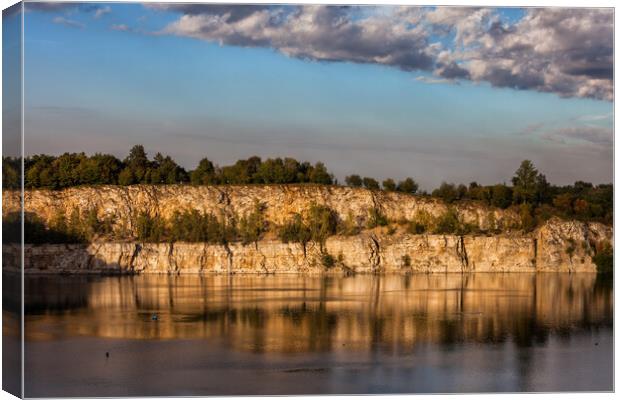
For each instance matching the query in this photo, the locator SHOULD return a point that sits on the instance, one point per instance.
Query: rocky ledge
(560, 246)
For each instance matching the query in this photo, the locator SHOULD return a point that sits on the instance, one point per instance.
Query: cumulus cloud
(234, 12)
(68, 22)
(564, 51)
(568, 52)
(323, 33)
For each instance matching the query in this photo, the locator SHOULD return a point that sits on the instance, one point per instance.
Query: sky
(440, 94)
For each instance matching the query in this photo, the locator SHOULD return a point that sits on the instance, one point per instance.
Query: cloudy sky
(455, 94)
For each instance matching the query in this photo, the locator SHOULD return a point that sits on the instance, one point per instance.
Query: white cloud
(325, 33)
(120, 27)
(564, 51)
(100, 12)
(68, 22)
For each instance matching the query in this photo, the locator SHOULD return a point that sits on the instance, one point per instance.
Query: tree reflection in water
(287, 334)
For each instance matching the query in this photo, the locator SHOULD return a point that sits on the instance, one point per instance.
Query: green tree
(447, 192)
(448, 223)
(126, 177)
(204, 174)
(322, 223)
(138, 164)
(370, 183)
(407, 186)
(150, 229)
(526, 183)
(320, 175)
(604, 259)
(252, 226)
(501, 196)
(295, 231)
(389, 184)
(353, 180)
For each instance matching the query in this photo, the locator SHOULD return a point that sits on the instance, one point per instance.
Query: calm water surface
(218, 335)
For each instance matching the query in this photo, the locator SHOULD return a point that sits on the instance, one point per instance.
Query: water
(220, 335)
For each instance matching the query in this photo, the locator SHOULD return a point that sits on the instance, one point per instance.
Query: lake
(295, 334)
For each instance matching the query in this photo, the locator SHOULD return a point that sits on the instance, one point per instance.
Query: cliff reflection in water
(293, 314)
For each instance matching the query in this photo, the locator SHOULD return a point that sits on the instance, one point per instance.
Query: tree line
(75, 169)
(534, 197)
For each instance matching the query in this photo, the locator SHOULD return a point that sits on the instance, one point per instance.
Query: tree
(448, 223)
(295, 231)
(564, 203)
(10, 174)
(252, 226)
(370, 183)
(501, 196)
(407, 186)
(149, 229)
(138, 163)
(581, 208)
(543, 190)
(126, 177)
(527, 220)
(525, 182)
(389, 184)
(204, 174)
(322, 223)
(353, 180)
(320, 175)
(447, 192)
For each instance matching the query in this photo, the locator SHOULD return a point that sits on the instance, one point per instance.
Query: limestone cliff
(556, 246)
(124, 203)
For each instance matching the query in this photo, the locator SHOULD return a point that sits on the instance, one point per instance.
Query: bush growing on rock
(252, 226)
(376, 218)
(295, 231)
(604, 259)
(448, 223)
(150, 229)
(406, 260)
(322, 223)
(328, 260)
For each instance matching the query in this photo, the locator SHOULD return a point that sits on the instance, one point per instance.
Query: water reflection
(293, 314)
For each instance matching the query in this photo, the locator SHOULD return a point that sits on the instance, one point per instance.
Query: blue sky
(194, 83)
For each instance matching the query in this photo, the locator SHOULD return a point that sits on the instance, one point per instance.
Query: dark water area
(293, 334)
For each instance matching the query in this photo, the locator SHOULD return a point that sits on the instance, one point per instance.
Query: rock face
(124, 203)
(557, 246)
(566, 246)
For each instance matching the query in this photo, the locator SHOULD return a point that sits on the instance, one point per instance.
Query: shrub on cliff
(150, 229)
(422, 222)
(406, 260)
(322, 223)
(328, 260)
(349, 226)
(376, 218)
(604, 259)
(448, 223)
(252, 226)
(295, 231)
